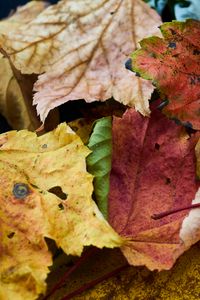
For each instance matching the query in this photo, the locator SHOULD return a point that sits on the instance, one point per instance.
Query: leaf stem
(170, 212)
(94, 282)
(65, 276)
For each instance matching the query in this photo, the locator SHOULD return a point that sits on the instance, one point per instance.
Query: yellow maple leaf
(45, 192)
(82, 46)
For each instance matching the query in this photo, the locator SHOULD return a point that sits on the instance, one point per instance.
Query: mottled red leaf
(173, 64)
(153, 170)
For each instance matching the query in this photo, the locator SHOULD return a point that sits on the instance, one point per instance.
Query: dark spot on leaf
(61, 206)
(112, 12)
(187, 124)
(176, 121)
(10, 235)
(94, 214)
(20, 190)
(173, 32)
(195, 79)
(175, 55)
(190, 131)
(168, 180)
(196, 52)
(157, 146)
(152, 55)
(137, 74)
(172, 45)
(44, 146)
(56, 190)
(192, 81)
(128, 64)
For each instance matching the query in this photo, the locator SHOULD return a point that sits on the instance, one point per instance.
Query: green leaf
(99, 161)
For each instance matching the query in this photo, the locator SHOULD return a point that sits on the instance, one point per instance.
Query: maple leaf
(23, 15)
(45, 192)
(12, 101)
(173, 65)
(82, 47)
(153, 170)
(197, 151)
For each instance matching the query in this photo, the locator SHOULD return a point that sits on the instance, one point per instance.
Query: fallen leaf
(99, 161)
(82, 47)
(23, 15)
(12, 104)
(83, 128)
(153, 170)
(173, 65)
(182, 282)
(24, 254)
(45, 192)
(197, 151)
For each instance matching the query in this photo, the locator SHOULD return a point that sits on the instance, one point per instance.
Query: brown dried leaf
(82, 47)
(15, 105)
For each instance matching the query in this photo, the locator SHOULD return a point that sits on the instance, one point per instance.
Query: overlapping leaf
(173, 65)
(99, 161)
(153, 170)
(23, 15)
(82, 47)
(45, 192)
(13, 107)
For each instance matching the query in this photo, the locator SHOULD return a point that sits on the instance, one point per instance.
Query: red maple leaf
(173, 64)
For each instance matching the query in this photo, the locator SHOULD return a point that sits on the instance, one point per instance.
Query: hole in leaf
(168, 180)
(157, 146)
(56, 190)
(10, 235)
(61, 207)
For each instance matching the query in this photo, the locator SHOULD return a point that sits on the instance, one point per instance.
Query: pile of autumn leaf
(134, 166)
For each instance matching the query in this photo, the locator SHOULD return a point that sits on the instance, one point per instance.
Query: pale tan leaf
(23, 15)
(82, 46)
(12, 103)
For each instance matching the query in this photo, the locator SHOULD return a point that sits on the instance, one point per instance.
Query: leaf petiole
(173, 211)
